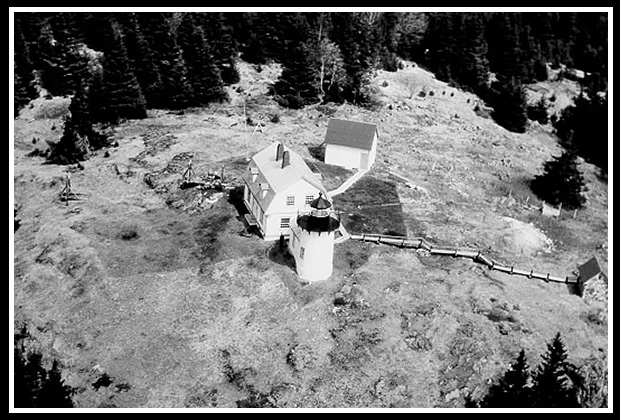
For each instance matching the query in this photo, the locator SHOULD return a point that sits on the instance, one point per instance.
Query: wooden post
(575, 214)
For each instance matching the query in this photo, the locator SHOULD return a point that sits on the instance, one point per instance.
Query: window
(285, 222)
(290, 200)
(309, 199)
(302, 252)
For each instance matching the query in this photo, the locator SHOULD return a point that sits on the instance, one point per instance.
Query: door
(364, 160)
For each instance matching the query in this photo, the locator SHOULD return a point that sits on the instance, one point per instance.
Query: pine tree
(79, 137)
(34, 387)
(439, 44)
(296, 86)
(513, 389)
(175, 91)
(141, 58)
(561, 182)
(60, 58)
(122, 95)
(359, 53)
(509, 105)
(553, 387)
(222, 46)
(203, 75)
(54, 393)
(24, 89)
(582, 127)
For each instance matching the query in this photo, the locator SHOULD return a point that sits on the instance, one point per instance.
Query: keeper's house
(351, 144)
(278, 185)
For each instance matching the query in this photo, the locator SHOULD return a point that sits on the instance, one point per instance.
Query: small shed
(351, 144)
(589, 271)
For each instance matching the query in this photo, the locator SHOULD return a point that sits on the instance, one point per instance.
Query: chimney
(279, 151)
(286, 159)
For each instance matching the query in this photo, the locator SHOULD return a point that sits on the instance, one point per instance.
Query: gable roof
(589, 269)
(276, 179)
(350, 133)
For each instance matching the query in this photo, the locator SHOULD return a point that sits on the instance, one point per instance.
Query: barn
(277, 185)
(351, 144)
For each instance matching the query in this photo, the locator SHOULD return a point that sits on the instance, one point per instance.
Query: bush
(129, 233)
(275, 118)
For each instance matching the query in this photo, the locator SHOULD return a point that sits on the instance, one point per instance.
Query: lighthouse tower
(312, 241)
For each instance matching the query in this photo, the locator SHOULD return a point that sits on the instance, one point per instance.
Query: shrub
(129, 233)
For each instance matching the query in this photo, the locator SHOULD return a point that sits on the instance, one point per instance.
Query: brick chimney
(286, 159)
(279, 151)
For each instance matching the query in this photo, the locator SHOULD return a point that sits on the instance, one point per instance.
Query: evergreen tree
(509, 105)
(296, 86)
(472, 67)
(553, 387)
(34, 387)
(582, 127)
(54, 393)
(439, 44)
(24, 89)
(561, 182)
(351, 33)
(141, 58)
(513, 389)
(222, 46)
(74, 144)
(203, 75)
(175, 91)
(60, 58)
(79, 136)
(122, 96)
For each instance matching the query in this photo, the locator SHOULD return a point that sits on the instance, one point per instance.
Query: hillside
(154, 288)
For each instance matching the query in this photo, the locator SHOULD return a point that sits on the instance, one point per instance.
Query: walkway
(345, 185)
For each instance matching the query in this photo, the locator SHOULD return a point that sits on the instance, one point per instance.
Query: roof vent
(286, 159)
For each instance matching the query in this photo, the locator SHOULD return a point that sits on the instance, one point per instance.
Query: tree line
(118, 65)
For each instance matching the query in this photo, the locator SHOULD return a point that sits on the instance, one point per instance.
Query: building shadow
(317, 152)
(280, 254)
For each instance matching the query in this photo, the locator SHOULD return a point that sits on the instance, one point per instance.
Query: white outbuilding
(351, 144)
(278, 184)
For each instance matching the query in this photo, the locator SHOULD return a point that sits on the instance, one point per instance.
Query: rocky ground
(148, 295)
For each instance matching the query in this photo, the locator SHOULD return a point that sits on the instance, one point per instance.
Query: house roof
(589, 269)
(273, 177)
(350, 133)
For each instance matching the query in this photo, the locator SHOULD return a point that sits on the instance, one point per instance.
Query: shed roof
(350, 133)
(589, 269)
(274, 177)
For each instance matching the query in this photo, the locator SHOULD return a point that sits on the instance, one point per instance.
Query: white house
(351, 144)
(278, 185)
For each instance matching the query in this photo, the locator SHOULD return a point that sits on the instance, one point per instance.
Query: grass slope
(145, 304)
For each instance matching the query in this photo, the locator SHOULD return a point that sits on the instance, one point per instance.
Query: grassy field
(148, 295)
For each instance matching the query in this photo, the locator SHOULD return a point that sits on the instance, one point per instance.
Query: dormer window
(254, 172)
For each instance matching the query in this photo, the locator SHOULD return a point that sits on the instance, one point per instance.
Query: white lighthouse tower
(312, 241)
